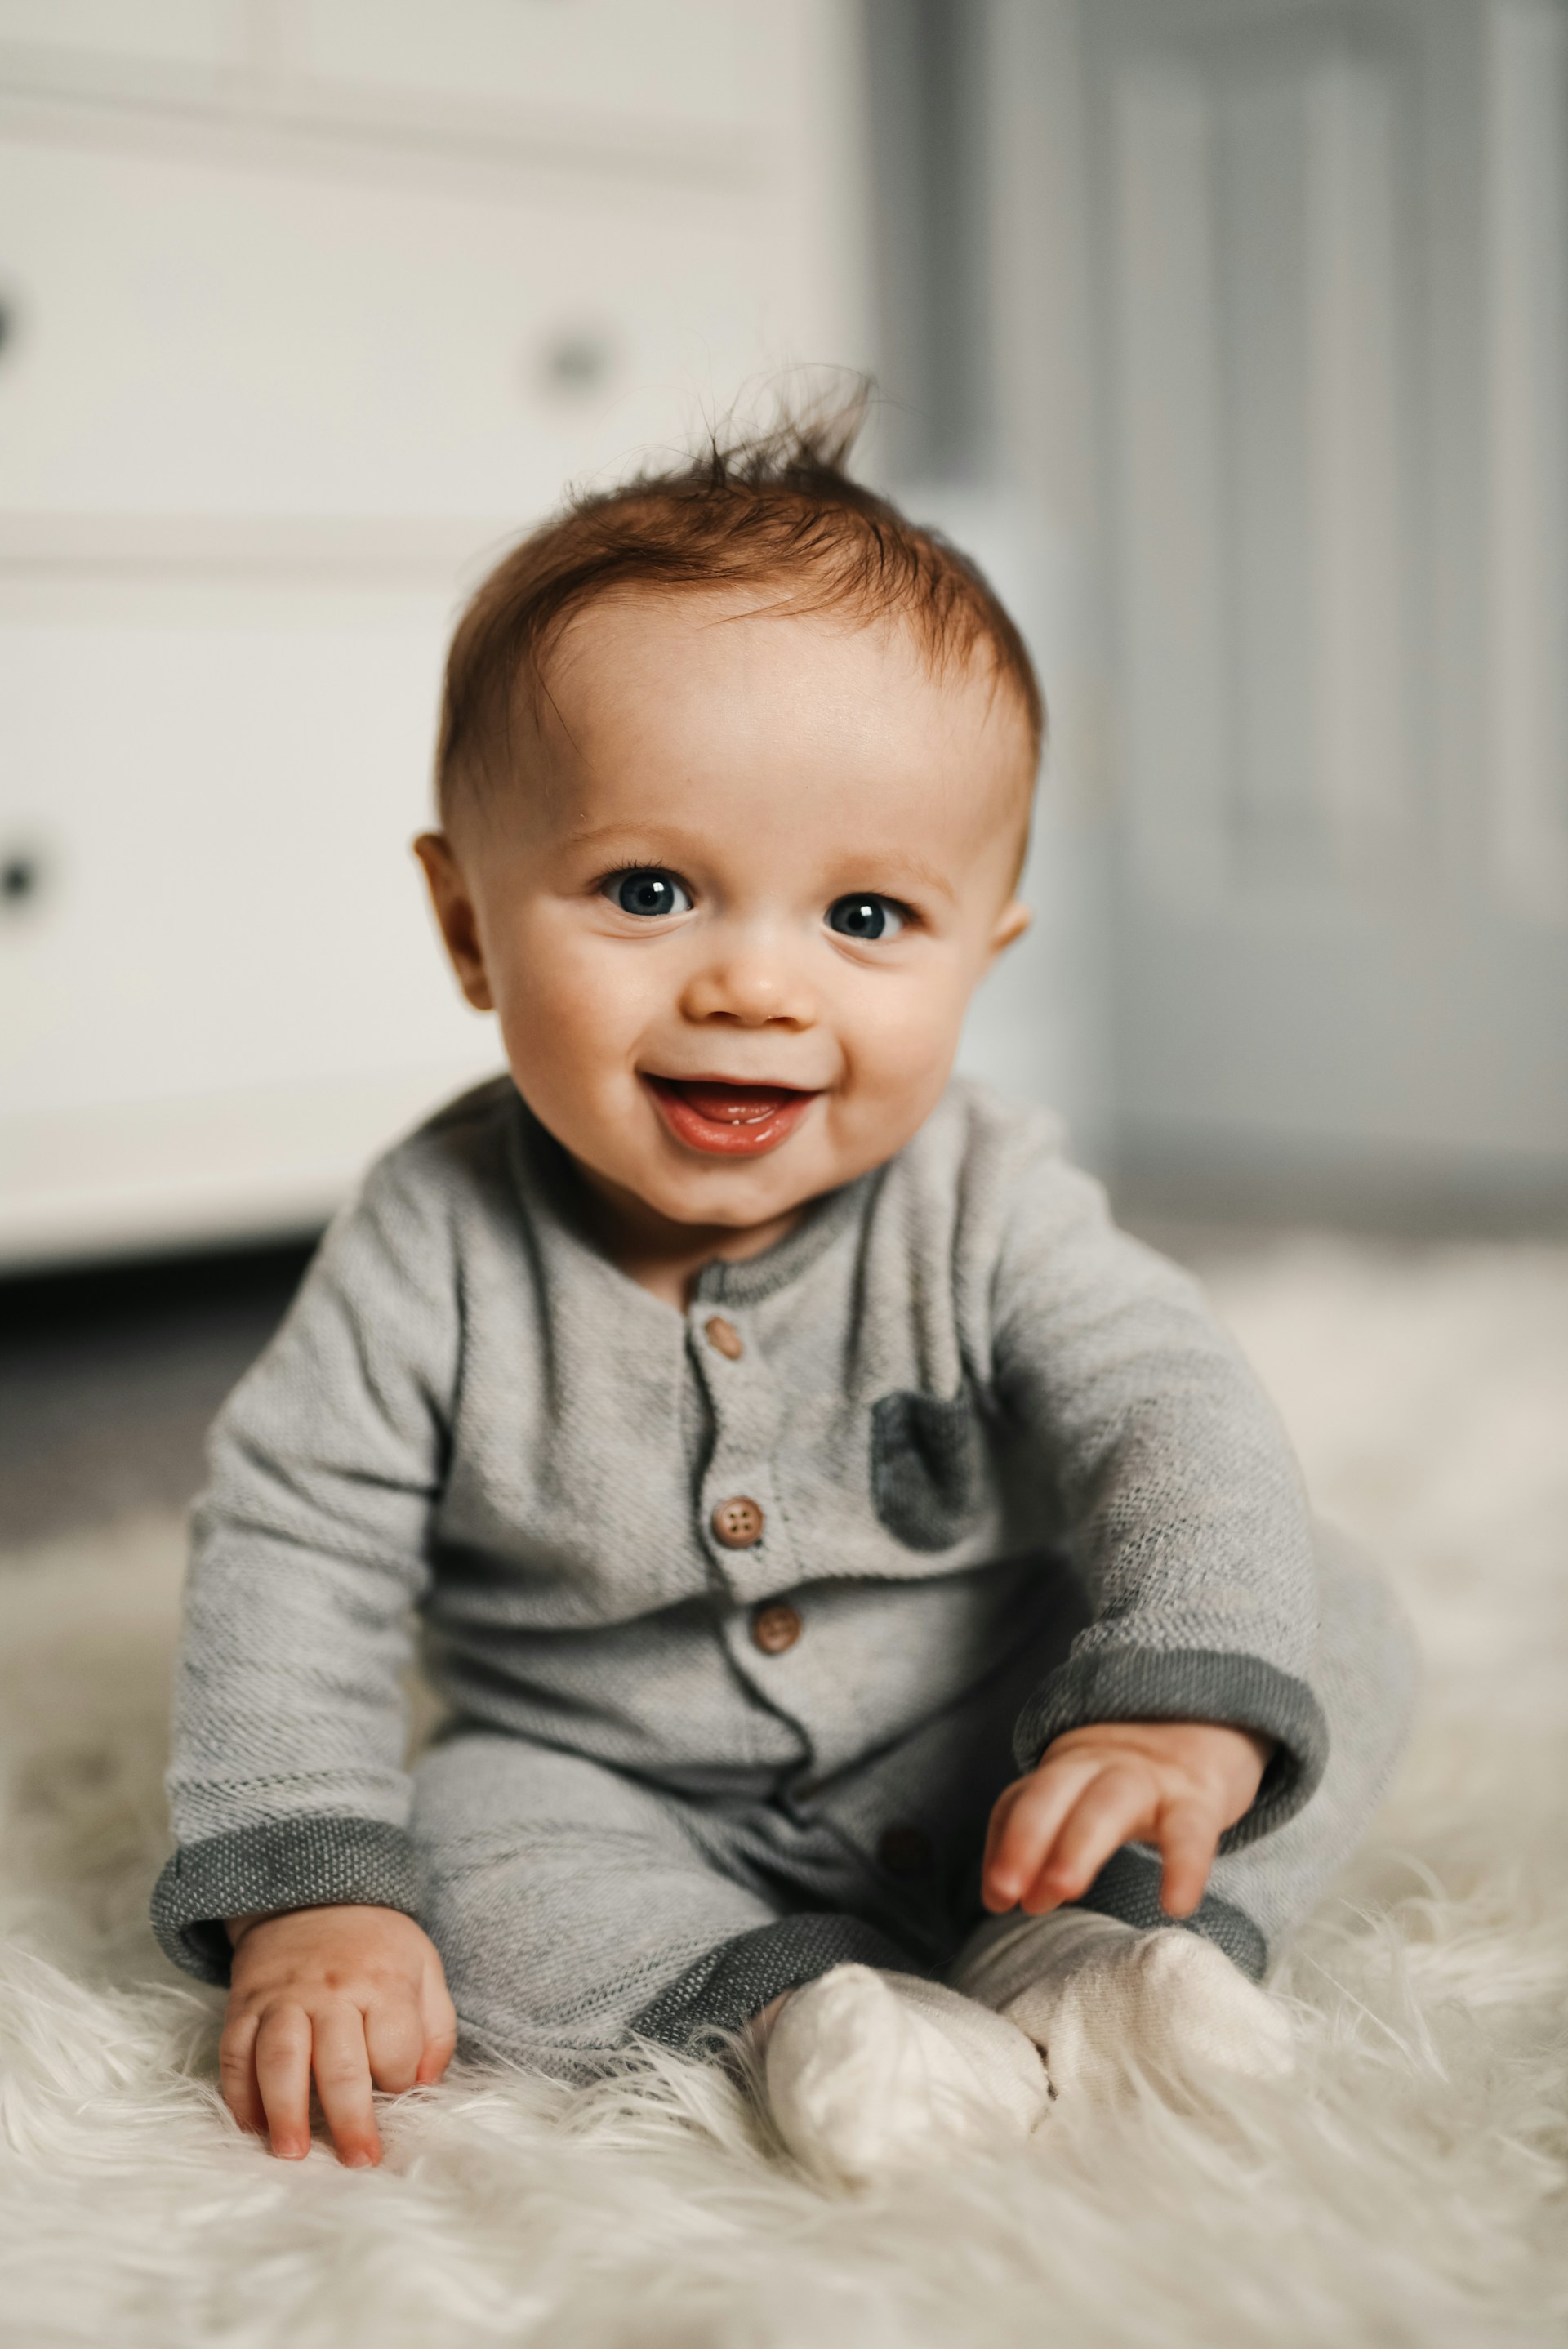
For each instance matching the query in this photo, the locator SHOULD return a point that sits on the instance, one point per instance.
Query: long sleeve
(1175, 1483)
(286, 1785)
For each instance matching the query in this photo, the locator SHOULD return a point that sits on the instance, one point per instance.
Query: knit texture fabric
(730, 1984)
(307, 1863)
(579, 1908)
(471, 1418)
(1195, 1684)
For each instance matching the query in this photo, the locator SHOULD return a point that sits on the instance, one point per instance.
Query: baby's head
(735, 775)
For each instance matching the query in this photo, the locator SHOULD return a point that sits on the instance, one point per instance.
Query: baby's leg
(563, 1896)
(577, 1911)
(1110, 1985)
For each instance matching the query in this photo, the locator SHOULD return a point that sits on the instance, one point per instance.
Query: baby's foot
(1103, 2001)
(867, 2073)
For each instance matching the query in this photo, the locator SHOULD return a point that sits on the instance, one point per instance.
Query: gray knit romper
(741, 1617)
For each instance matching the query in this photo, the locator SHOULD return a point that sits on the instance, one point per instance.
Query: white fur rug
(1407, 2189)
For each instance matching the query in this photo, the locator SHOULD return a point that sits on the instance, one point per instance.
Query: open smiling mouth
(728, 1121)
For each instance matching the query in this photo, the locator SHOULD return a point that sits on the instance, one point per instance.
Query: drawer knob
(20, 879)
(577, 362)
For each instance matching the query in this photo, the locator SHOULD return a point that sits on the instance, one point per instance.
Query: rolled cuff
(306, 1863)
(730, 1984)
(1191, 1684)
(1127, 1887)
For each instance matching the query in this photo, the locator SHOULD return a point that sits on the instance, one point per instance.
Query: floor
(108, 1378)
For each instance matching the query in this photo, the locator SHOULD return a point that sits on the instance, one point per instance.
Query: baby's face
(731, 916)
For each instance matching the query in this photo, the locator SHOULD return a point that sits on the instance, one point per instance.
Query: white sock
(867, 2073)
(1103, 2001)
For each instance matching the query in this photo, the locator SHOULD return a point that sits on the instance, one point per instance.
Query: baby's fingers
(342, 2064)
(283, 2079)
(395, 2041)
(1001, 1814)
(237, 2073)
(1023, 1826)
(1189, 1838)
(1111, 1810)
(440, 2018)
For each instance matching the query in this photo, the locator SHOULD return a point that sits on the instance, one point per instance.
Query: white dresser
(308, 306)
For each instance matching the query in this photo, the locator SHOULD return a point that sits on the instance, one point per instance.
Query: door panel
(1337, 338)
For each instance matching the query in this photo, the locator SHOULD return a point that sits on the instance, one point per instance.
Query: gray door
(1332, 254)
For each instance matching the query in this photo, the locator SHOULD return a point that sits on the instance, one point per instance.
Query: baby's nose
(750, 989)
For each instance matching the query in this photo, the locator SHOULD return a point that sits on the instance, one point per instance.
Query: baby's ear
(1011, 923)
(454, 906)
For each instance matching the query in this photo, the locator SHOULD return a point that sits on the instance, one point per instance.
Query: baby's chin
(689, 1188)
(736, 1198)
(760, 1192)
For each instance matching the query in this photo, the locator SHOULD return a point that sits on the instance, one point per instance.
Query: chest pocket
(928, 1467)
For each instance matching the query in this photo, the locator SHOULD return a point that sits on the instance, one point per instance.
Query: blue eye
(648, 892)
(864, 916)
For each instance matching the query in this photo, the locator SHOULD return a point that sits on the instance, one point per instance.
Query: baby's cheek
(902, 1054)
(567, 1020)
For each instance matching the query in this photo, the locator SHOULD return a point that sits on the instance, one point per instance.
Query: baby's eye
(649, 892)
(865, 916)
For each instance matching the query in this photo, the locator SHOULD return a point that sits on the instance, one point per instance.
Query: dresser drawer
(206, 813)
(704, 68)
(221, 990)
(186, 336)
(647, 75)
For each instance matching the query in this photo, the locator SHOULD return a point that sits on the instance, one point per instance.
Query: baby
(874, 1605)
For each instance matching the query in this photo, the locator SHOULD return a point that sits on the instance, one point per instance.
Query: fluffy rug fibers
(1407, 2187)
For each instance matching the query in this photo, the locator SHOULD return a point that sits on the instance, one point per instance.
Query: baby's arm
(287, 1785)
(355, 1996)
(1177, 1785)
(1184, 1713)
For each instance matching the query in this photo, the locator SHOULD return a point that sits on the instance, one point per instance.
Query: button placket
(737, 1509)
(765, 1634)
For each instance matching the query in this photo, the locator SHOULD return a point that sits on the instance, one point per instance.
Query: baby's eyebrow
(615, 835)
(911, 869)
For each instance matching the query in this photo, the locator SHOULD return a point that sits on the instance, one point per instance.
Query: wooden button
(776, 1628)
(738, 1523)
(724, 1337)
(906, 1851)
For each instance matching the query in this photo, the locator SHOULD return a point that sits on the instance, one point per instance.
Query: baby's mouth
(727, 1120)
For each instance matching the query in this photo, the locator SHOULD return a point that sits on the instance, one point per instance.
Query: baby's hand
(354, 1995)
(1176, 1784)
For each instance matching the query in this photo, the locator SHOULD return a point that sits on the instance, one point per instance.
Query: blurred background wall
(1244, 323)
(1230, 334)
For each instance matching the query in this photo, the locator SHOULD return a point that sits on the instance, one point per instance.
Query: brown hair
(777, 509)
